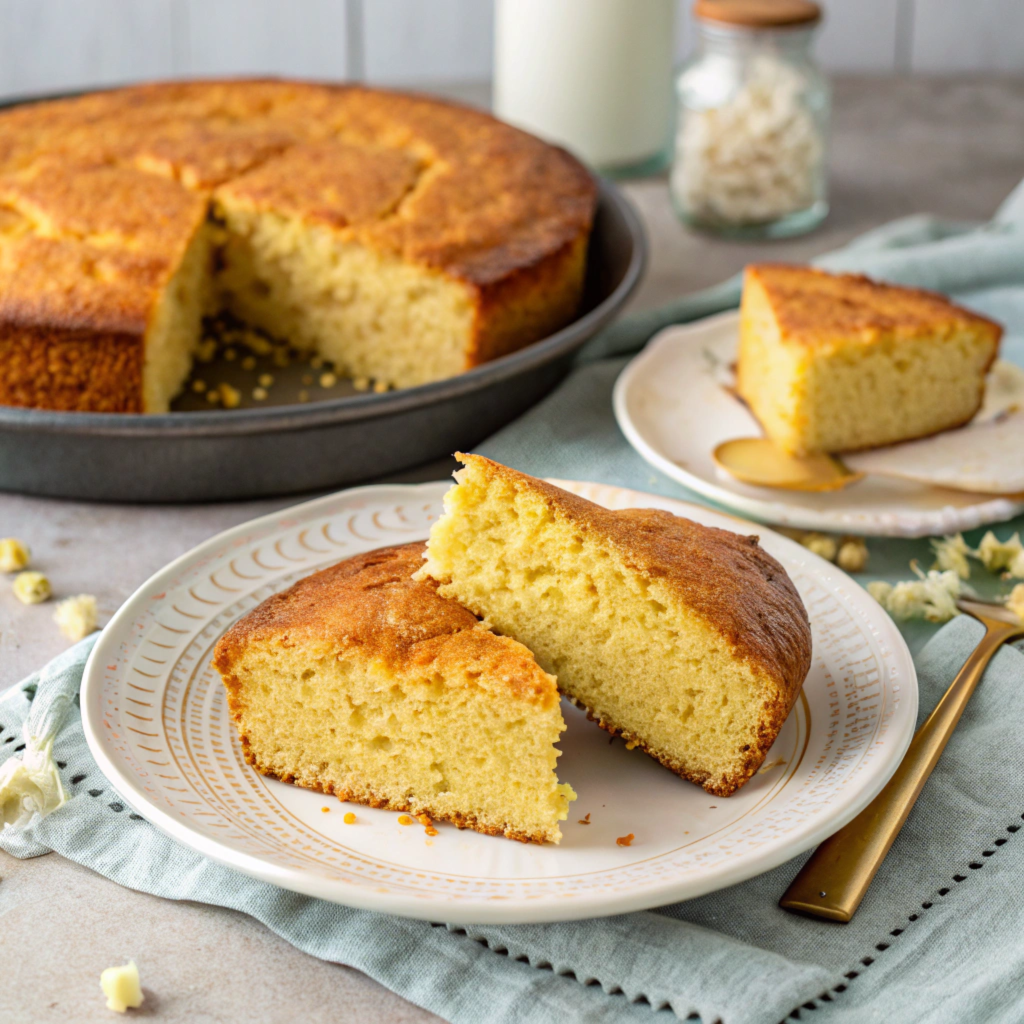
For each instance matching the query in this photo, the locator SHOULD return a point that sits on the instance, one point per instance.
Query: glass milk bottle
(592, 75)
(752, 121)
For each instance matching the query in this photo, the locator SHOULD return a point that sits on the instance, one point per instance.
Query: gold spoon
(759, 461)
(833, 882)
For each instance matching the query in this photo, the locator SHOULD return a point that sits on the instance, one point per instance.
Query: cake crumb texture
(360, 682)
(838, 362)
(689, 641)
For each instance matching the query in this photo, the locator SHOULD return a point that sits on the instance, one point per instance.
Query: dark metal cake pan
(219, 454)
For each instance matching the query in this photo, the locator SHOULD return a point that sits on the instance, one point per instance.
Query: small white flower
(30, 784)
(932, 596)
(951, 554)
(1002, 556)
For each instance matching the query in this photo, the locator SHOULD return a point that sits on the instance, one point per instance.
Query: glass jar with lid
(753, 113)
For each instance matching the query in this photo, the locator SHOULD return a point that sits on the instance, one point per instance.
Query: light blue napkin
(940, 936)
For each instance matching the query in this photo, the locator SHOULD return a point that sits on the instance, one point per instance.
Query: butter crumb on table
(122, 988)
(76, 616)
(31, 587)
(14, 555)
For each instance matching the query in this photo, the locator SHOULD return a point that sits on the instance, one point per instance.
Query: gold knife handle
(833, 882)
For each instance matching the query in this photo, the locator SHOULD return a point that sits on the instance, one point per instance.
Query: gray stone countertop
(900, 146)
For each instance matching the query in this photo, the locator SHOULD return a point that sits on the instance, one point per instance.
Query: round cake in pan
(404, 239)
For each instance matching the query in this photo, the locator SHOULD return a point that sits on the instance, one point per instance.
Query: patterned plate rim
(535, 910)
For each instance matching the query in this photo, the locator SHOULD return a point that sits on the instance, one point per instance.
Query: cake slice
(838, 362)
(689, 641)
(362, 682)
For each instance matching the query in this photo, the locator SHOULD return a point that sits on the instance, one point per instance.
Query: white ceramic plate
(155, 717)
(674, 408)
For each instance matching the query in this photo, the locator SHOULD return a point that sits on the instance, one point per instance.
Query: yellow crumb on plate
(404, 819)
(625, 840)
(350, 818)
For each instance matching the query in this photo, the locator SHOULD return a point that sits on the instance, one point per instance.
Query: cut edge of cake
(839, 362)
(673, 576)
(362, 683)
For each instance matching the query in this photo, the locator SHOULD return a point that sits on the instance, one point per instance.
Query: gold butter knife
(833, 882)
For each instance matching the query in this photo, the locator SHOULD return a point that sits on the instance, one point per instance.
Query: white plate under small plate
(155, 718)
(674, 410)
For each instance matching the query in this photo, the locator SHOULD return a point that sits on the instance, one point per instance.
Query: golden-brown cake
(405, 239)
(361, 682)
(838, 362)
(689, 641)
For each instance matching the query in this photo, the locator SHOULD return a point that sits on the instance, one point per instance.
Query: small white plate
(673, 406)
(155, 718)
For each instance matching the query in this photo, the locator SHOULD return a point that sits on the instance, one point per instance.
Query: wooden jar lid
(759, 13)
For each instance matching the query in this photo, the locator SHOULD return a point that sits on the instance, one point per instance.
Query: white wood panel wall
(62, 44)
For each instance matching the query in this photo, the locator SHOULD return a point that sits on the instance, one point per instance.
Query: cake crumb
(31, 587)
(586, 820)
(326, 810)
(198, 386)
(361, 383)
(631, 744)
(206, 350)
(424, 819)
(259, 394)
(213, 396)
(853, 555)
(350, 818)
(822, 545)
(265, 380)
(625, 840)
(76, 616)
(230, 397)
(404, 819)
(328, 380)
(430, 830)
(122, 988)
(380, 387)
(14, 555)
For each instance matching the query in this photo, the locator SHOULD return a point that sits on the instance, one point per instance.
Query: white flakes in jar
(754, 158)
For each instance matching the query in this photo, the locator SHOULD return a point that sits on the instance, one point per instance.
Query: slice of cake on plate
(689, 641)
(361, 682)
(838, 362)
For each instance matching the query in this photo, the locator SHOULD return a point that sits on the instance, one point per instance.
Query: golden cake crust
(129, 174)
(369, 608)
(728, 580)
(814, 307)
